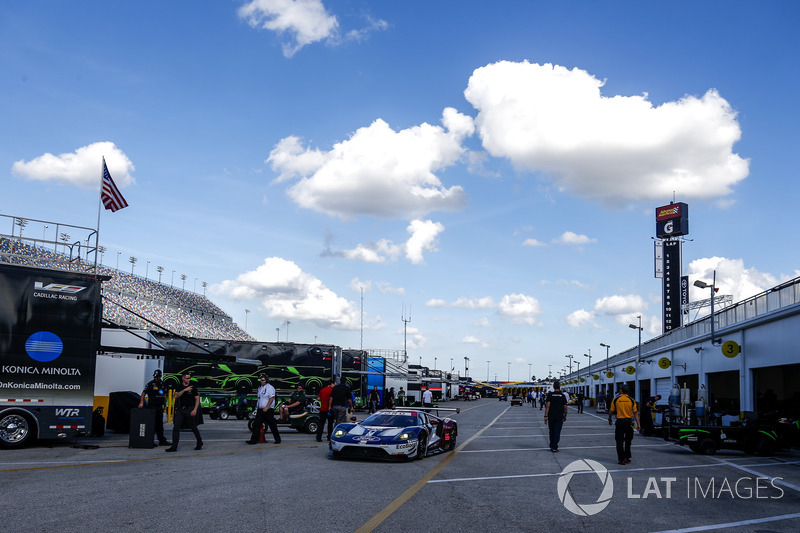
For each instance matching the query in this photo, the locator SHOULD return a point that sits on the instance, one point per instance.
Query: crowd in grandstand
(125, 296)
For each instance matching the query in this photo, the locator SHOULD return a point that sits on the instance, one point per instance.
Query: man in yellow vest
(625, 408)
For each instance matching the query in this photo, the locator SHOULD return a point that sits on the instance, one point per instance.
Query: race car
(516, 400)
(396, 434)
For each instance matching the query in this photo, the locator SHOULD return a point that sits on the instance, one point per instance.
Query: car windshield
(393, 421)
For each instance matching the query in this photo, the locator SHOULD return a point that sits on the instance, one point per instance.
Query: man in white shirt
(265, 412)
(427, 398)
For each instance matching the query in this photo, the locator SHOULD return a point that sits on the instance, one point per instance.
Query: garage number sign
(731, 349)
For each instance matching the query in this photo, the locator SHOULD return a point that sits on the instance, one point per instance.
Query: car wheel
(311, 426)
(707, 447)
(16, 430)
(213, 415)
(422, 446)
(223, 414)
(766, 447)
(250, 425)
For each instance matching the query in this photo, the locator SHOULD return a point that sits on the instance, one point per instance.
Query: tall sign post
(672, 222)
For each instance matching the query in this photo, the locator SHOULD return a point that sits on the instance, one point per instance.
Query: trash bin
(142, 428)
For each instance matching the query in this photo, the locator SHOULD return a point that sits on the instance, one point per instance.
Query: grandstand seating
(172, 309)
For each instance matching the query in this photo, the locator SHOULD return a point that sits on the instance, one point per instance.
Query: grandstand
(160, 307)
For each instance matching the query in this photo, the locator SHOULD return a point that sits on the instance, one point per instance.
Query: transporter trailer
(49, 337)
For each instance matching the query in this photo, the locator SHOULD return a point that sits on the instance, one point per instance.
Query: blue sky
(490, 170)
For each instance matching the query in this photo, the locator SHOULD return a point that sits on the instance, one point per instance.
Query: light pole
(160, 270)
(508, 378)
(466, 366)
(183, 279)
(132, 260)
(487, 370)
(606, 346)
(102, 250)
(639, 349)
(287, 330)
(205, 284)
(704, 285)
(118, 253)
(172, 279)
(246, 314)
(570, 356)
(147, 270)
(44, 230)
(277, 334)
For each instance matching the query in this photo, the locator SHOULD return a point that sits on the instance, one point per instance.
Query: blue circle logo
(44, 346)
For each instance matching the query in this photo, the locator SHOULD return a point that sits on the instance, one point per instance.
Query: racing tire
(311, 426)
(251, 424)
(422, 446)
(223, 414)
(16, 430)
(707, 447)
(213, 415)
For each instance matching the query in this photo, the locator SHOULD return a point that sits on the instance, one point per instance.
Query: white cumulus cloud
(376, 162)
(574, 239)
(305, 21)
(424, 236)
(550, 119)
(82, 167)
(520, 309)
(286, 292)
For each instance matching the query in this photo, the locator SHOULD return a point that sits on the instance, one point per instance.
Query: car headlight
(339, 433)
(404, 436)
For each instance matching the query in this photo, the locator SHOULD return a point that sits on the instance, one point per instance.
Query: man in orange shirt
(324, 415)
(625, 408)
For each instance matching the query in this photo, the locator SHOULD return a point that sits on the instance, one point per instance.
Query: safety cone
(261, 439)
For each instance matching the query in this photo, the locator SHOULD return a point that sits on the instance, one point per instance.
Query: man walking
(625, 408)
(555, 414)
(265, 412)
(187, 403)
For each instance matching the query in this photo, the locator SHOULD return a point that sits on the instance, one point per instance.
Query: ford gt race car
(396, 434)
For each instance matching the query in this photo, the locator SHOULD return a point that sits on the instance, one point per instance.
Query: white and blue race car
(396, 434)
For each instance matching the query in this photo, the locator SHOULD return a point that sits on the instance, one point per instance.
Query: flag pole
(99, 207)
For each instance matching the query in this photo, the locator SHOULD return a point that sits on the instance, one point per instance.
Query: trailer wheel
(707, 447)
(223, 414)
(16, 430)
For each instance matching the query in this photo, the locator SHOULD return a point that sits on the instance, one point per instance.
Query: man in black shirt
(154, 391)
(341, 398)
(187, 403)
(555, 414)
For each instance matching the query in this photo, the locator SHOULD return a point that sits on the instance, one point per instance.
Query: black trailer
(49, 336)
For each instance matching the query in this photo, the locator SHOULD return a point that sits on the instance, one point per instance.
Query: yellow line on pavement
(384, 513)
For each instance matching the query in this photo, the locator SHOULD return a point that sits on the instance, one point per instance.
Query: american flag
(110, 196)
